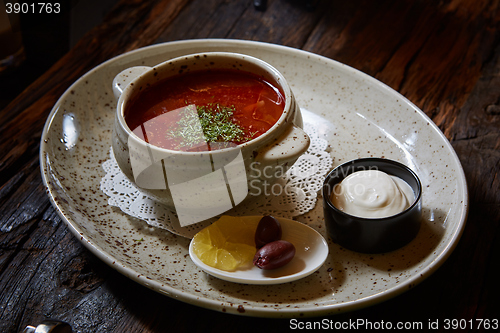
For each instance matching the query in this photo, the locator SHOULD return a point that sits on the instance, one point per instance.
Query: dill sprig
(217, 124)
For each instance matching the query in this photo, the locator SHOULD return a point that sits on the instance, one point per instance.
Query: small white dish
(311, 252)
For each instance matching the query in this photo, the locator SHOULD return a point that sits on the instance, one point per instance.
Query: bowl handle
(290, 145)
(122, 80)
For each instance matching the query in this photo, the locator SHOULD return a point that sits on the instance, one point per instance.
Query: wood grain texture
(442, 55)
(131, 24)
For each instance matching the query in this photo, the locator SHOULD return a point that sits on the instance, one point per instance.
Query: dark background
(47, 37)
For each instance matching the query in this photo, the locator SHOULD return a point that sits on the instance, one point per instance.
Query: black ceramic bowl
(372, 235)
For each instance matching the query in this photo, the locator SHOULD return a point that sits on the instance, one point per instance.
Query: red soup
(205, 110)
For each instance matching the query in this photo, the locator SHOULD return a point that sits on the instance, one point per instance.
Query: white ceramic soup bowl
(201, 185)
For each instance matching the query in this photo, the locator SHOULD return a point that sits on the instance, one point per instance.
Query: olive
(274, 255)
(268, 230)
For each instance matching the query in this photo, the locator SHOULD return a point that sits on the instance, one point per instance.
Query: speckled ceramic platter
(357, 114)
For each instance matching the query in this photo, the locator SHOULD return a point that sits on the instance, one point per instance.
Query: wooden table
(444, 56)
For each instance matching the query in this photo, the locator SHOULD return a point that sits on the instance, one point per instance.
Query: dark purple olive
(268, 230)
(274, 255)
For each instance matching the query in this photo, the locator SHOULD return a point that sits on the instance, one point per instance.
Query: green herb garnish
(213, 123)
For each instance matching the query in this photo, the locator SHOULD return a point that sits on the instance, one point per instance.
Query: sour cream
(372, 194)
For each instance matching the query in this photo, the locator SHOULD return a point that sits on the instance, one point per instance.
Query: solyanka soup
(205, 110)
(194, 105)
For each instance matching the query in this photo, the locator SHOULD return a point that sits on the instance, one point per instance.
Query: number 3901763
(483, 324)
(33, 8)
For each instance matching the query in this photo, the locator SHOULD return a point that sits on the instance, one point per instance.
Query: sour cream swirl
(372, 194)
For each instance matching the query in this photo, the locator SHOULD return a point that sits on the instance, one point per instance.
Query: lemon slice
(227, 244)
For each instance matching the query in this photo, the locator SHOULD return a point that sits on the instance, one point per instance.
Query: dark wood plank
(205, 19)
(283, 22)
(131, 24)
(428, 51)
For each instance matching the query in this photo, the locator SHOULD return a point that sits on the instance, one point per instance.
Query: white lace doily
(298, 194)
